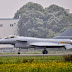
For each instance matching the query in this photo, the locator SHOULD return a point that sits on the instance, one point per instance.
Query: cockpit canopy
(10, 36)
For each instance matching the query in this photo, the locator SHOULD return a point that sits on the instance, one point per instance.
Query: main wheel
(18, 52)
(45, 51)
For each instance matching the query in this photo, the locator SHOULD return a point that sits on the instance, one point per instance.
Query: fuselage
(25, 41)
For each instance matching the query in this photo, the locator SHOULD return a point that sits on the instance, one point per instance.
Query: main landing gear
(45, 51)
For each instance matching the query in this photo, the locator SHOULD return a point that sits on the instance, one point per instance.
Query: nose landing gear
(19, 51)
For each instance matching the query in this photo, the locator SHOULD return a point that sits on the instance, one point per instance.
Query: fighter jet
(63, 40)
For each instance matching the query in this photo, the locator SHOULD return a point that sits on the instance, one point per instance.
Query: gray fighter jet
(63, 40)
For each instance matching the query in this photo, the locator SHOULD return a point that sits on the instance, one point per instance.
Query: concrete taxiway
(33, 54)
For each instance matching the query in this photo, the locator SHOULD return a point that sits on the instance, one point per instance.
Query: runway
(32, 55)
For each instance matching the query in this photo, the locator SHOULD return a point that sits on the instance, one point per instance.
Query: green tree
(36, 21)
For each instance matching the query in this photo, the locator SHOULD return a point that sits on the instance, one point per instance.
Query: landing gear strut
(45, 51)
(19, 51)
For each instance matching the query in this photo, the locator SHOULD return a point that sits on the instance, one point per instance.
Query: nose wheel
(45, 51)
(19, 51)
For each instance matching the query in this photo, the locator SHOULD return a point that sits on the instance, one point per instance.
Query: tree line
(34, 20)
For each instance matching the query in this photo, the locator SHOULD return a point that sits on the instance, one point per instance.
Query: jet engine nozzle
(71, 41)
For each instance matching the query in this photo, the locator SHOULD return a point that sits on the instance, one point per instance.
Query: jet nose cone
(1, 40)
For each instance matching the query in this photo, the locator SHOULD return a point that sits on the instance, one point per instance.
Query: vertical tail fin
(65, 35)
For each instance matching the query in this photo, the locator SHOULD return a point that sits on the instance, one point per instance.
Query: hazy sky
(9, 7)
